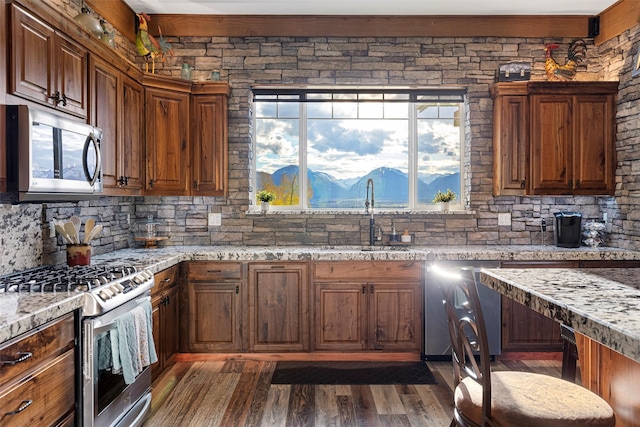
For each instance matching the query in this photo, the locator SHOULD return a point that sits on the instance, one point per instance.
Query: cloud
(326, 135)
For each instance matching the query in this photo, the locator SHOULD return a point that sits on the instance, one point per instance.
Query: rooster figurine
(147, 45)
(576, 54)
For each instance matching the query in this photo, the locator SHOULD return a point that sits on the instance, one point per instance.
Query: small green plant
(444, 197)
(266, 196)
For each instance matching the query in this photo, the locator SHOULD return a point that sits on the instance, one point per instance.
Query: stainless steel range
(111, 291)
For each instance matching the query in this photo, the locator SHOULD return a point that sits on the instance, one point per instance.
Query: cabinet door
(593, 148)
(551, 141)
(71, 72)
(170, 325)
(209, 140)
(156, 317)
(215, 316)
(395, 316)
(105, 83)
(167, 138)
(278, 307)
(340, 316)
(32, 57)
(132, 122)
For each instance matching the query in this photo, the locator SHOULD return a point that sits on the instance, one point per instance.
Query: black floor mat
(352, 373)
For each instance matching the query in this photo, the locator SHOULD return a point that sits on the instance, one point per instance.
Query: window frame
(456, 94)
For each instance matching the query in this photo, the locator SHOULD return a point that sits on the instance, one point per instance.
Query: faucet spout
(372, 223)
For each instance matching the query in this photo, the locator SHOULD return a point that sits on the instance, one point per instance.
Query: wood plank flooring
(238, 393)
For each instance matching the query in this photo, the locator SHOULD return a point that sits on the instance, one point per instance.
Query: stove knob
(138, 279)
(114, 288)
(119, 287)
(105, 294)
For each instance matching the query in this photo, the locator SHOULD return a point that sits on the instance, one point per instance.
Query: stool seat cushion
(532, 400)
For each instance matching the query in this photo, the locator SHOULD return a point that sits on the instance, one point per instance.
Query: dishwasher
(437, 344)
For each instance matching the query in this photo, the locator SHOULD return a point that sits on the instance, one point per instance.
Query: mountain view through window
(408, 142)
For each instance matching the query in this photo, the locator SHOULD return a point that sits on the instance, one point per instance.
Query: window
(317, 148)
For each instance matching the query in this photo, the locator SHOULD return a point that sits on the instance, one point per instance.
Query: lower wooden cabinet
(215, 293)
(166, 316)
(37, 387)
(278, 307)
(368, 305)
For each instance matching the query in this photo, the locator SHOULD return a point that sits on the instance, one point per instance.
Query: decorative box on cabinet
(166, 316)
(37, 386)
(215, 318)
(366, 305)
(46, 66)
(554, 138)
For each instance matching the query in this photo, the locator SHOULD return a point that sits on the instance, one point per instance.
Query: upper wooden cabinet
(554, 138)
(117, 107)
(186, 137)
(47, 67)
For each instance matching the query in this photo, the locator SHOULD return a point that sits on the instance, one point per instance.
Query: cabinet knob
(56, 98)
(522, 184)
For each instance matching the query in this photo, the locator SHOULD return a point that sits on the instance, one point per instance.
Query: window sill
(360, 212)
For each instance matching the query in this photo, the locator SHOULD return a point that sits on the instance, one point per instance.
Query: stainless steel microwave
(50, 157)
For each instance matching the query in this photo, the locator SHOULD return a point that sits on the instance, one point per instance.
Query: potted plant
(444, 199)
(265, 197)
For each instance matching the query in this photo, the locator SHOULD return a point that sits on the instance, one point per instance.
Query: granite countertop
(601, 303)
(20, 313)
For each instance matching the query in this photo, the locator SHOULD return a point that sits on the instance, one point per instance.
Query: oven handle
(105, 322)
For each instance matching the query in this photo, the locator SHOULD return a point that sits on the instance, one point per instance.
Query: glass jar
(185, 72)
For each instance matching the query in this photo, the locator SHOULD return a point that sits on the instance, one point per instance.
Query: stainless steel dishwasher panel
(436, 341)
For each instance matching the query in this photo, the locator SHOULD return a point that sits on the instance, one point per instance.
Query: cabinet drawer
(165, 279)
(214, 270)
(369, 270)
(39, 345)
(50, 392)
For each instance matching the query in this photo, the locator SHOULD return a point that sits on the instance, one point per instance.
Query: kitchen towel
(136, 348)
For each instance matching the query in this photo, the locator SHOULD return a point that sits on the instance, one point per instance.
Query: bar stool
(505, 399)
(569, 353)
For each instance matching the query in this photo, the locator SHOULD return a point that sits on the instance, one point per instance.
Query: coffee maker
(567, 229)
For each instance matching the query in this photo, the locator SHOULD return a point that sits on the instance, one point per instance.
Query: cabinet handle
(364, 289)
(23, 405)
(578, 184)
(123, 180)
(214, 271)
(22, 356)
(151, 183)
(64, 100)
(56, 98)
(167, 280)
(277, 267)
(570, 183)
(522, 184)
(237, 289)
(371, 288)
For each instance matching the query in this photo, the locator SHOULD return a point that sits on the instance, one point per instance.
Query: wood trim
(368, 26)
(618, 18)
(324, 356)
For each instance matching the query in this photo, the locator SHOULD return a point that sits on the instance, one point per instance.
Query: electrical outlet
(52, 229)
(605, 217)
(504, 218)
(128, 219)
(215, 219)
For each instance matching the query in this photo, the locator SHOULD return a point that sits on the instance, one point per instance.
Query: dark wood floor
(239, 393)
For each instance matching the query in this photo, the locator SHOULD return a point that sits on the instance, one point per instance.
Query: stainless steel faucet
(372, 222)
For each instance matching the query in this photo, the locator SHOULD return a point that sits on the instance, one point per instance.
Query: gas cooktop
(104, 287)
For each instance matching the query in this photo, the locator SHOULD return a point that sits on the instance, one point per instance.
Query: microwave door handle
(92, 178)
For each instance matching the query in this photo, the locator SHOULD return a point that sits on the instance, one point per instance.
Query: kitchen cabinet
(117, 108)
(369, 305)
(47, 67)
(209, 168)
(278, 306)
(554, 138)
(38, 376)
(166, 317)
(186, 137)
(215, 293)
(167, 136)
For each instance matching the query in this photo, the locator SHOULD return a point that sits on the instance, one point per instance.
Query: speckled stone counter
(600, 303)
(21, 313)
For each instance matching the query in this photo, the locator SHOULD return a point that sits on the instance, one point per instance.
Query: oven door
(108, 400)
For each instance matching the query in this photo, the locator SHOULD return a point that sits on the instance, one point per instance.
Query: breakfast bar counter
(603, 306)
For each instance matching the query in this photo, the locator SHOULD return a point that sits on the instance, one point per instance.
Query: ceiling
(371, 7)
